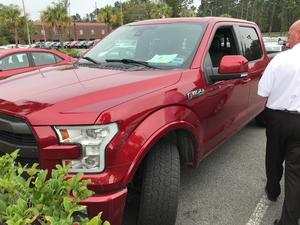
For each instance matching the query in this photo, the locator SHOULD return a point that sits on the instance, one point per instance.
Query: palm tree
(56, 17)
(105, 14)
(160, 10)
(109, 15)
(11, 18)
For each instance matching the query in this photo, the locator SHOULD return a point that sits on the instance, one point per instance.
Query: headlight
(93, 140)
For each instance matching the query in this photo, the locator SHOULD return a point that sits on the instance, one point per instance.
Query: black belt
(292, 112)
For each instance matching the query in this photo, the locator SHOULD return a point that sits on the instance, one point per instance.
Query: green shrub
(40, 201)
(71, 52)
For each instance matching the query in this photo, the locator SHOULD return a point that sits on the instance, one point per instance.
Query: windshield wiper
(132, 61)
(90, 59)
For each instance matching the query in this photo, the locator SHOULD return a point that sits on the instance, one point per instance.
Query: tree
(77, 18)
(110, 15)
(187, 13)
(56, 17)
(226, 15)
(160, 10)
(270, 15)
(11, 19)
(179, 5)
(135, 10)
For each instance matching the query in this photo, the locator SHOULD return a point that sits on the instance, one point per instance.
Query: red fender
(153, 128)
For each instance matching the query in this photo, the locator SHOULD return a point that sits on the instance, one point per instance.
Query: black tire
(160, 186)
(260, 119)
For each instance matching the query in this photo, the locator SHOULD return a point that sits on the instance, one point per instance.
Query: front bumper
(111, 205)
(40, 144)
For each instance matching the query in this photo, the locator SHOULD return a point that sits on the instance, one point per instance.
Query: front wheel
(160, 186)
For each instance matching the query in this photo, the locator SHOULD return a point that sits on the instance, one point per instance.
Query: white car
(13, 46)
(272, 48)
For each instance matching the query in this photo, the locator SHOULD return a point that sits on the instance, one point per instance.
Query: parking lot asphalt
(227, 188)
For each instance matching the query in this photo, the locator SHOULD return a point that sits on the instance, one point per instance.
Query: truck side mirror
(233, 64)
(231, 67)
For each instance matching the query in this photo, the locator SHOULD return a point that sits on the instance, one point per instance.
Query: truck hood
(76, 95)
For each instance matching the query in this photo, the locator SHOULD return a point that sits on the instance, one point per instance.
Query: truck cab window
(251, 43)
(223, 43)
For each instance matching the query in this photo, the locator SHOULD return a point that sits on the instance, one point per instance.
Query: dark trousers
(283, 143)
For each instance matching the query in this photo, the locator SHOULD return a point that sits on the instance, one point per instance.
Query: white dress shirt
(281, 81)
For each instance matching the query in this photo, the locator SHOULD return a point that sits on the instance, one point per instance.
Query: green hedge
(71, 52)
(40, 201)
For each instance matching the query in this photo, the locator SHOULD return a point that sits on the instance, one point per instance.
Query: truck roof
(191, 19)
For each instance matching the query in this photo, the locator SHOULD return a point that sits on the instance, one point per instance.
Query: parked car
(272, 48)
(15, 61)
(48, 44)
(89, 44)
(57, 45)
(8, 46)
(73, 44)
(38, 45)
(274, 44)
(81, 44)
(151, 96)
(67, 44)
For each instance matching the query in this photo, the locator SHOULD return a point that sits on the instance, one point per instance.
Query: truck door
(227, 100)
(252, 50)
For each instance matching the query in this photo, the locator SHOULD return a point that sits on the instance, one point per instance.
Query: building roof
(38, 22)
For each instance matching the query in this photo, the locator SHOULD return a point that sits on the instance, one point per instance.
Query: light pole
(27, 26)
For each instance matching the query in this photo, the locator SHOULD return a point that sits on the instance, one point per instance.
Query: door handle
(244, 74)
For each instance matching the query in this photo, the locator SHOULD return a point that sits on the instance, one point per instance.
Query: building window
(55, 31)
(92, 32)
(42, 32)
(81, 32)
(102, 31)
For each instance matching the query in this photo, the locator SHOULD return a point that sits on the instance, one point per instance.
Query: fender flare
(154, 127)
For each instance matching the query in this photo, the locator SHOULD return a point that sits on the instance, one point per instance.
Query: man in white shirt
(280, 83)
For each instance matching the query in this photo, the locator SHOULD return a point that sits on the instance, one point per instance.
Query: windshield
(164, 46)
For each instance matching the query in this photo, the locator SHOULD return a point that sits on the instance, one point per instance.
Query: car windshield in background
(164, 46)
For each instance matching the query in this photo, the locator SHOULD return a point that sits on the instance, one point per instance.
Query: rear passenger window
(251, 43)
(44, 58)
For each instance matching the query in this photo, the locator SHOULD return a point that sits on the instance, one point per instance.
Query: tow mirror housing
(231, 64)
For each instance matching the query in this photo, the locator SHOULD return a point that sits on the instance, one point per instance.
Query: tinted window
(43, 58)
(251, 43)
(15, 61)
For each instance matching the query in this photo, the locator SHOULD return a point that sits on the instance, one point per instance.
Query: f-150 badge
(195, 93)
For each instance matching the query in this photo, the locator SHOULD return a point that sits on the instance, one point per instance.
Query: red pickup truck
(149, 98)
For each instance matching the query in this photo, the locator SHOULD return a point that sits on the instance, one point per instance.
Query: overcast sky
(82, 7)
